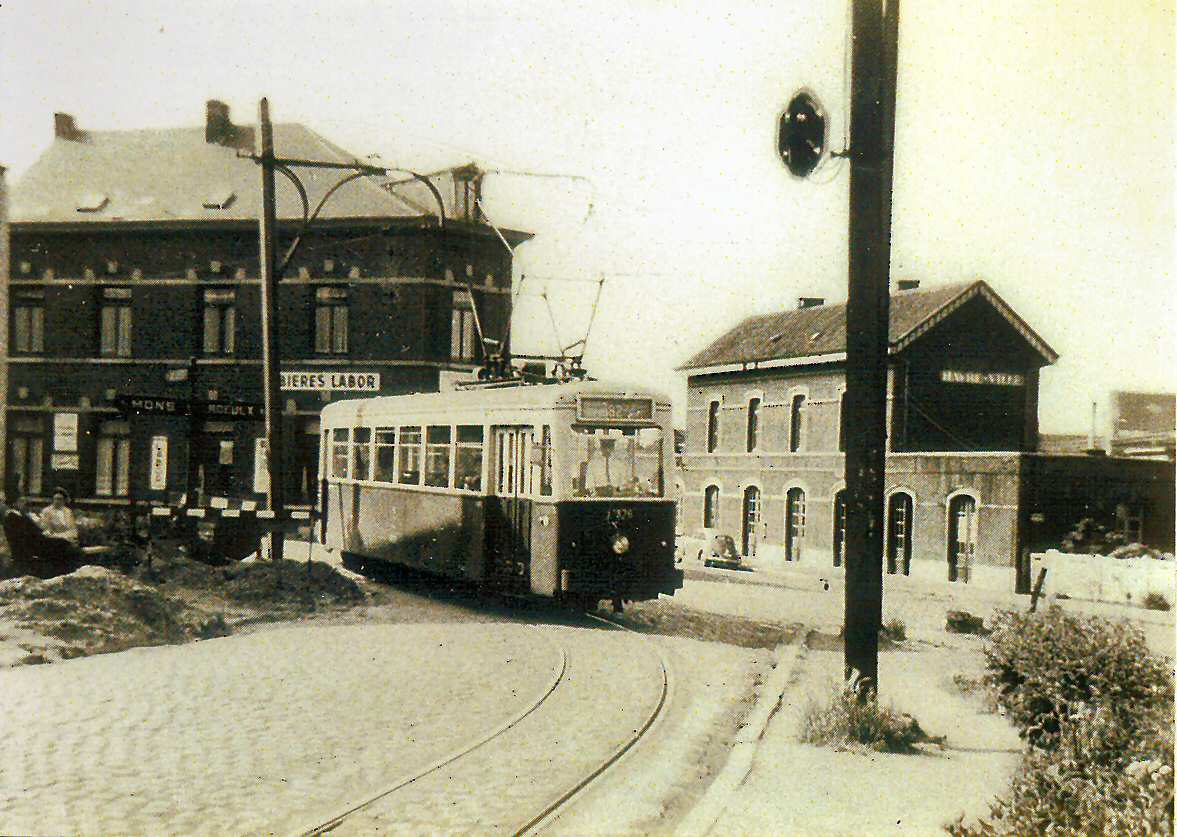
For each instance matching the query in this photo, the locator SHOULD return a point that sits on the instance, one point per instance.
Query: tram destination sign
(341, 381)
(596, 408)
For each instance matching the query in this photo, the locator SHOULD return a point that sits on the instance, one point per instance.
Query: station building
(132, 291)
(967, 492)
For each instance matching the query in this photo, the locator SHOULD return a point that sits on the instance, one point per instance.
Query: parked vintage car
(712, 547)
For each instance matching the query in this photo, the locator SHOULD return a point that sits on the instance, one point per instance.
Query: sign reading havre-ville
(999, 379)
(351, 381)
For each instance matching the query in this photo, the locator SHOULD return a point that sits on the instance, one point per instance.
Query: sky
(1034, 149)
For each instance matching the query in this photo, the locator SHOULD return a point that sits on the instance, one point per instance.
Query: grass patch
(845, 721)
(1156, 601)
(657, 617)
(894, 630)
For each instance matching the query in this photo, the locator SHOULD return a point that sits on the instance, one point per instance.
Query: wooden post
(270, 357)
(875, 30)
(1036, 593)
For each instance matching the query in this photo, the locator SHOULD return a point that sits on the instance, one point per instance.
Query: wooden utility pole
(875, 31)
(271, 359)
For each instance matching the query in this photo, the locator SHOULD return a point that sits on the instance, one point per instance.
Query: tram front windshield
(617, 462)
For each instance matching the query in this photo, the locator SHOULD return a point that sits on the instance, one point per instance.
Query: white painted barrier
(1102, 579)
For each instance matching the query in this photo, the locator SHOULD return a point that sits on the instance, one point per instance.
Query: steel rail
(326, 825)
(545, 817)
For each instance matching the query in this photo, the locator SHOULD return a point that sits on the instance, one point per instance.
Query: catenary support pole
(872, 126)
(270, 355)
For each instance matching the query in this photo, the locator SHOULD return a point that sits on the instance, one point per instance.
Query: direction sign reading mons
(352, 381)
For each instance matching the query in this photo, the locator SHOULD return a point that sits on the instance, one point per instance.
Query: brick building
(966, 492)
(134, 272)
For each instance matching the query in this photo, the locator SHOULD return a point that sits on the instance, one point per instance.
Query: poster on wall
(159, 463)
(226, 454)
(261, 466)
(65, 432)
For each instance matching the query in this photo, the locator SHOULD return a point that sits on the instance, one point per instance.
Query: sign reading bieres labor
(997, 379)
(349, 381)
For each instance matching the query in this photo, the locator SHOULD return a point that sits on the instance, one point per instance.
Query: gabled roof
(818, 334)
(174, 174)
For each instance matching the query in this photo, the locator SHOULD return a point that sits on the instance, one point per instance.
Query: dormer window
(92, 202)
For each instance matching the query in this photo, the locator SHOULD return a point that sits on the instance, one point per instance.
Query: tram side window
(362, 440)
(339, 452)
(385, 454)
(468, 462)
(410, 456)
(437, 456)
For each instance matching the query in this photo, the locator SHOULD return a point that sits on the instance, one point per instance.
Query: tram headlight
(620, 544)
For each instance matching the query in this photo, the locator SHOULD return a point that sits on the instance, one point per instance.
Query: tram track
(371, 812)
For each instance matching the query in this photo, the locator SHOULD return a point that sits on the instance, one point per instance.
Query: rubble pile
(95, 610)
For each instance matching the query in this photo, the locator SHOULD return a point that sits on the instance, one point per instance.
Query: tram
(554, 490)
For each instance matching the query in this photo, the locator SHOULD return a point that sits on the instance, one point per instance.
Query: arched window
(753, 437)
(842, 422)
(794, 523)
(840, 528)
(796, 417)
(962, 536)
(751, 520)
(712, 427)
(899, 507)
(711, 507)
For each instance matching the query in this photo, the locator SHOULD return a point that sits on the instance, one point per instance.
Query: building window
(712, 427)
(840, 528)
(962, 536)
(112, 474)
(27, 454)
(711, 507)
(794, 523)
(899, 507)
(842, 422)
(753, 436)
(115, 338)
(796, 420)
(331, 321)
(462, 327)
(28, 321)
(751, 521)
(220, 321)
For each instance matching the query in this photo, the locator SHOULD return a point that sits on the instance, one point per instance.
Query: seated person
(57, 519)
(33, 552)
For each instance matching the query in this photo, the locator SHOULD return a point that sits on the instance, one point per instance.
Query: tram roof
(525, 397)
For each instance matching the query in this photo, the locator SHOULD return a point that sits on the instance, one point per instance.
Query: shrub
(848, 721)
(1156, 601)
(1136, 550)
(1043, 666)
(1096, 709)
(1099, 780)
(895, 630)
(1091, 536)
(963, 622)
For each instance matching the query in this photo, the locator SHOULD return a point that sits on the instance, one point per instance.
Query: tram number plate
(615, 409)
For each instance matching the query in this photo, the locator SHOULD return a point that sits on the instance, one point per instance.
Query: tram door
(509, 512)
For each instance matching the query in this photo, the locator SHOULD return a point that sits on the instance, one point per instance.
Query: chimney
(218, 127)
(810, 301)
(65, 128)
(908, 284)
